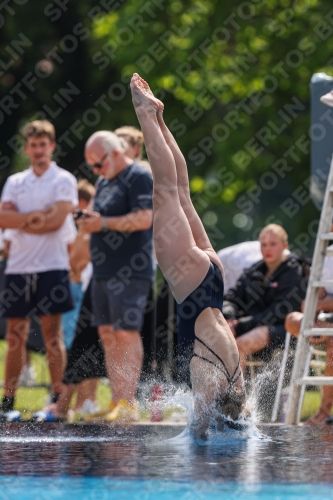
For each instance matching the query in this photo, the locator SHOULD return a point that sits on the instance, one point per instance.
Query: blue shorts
(69, 319)
(37, 294)
(119, 304)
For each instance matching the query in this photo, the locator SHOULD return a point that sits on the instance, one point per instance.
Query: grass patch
(30, 399)
(311, 404)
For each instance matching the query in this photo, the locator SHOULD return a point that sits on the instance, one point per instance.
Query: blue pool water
(99, 488)
(143, 462)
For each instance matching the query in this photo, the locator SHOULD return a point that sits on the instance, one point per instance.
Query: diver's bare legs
(182, 245)
(197, 228)
(182, 262)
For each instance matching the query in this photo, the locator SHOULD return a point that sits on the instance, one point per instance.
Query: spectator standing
(80, 275)
(257, 306)
(79, 258)
(37, 203)
(121, 253)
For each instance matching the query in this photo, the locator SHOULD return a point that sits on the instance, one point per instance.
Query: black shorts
(85, 359)
(277, 335)
(119, 304)
(37, 294)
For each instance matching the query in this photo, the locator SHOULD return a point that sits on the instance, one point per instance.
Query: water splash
(183, 399)
(261, 392)
(217, 439)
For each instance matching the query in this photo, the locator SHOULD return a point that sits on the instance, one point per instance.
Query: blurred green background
(234, 78)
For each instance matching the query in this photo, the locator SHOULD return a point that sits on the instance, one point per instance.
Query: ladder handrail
(303, 343)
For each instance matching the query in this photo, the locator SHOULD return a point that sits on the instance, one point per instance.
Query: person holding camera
(120, 225)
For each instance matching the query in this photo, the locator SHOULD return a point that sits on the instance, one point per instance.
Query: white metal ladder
(315, 360)
(298, 378)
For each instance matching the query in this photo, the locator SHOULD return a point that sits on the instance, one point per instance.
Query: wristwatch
(105, 224)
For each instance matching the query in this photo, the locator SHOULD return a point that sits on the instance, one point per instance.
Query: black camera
(80, 214)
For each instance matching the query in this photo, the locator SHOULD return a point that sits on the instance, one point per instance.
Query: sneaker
(101, 413)
(6, 405)
(12, 416)
(327, 99)
(89, 409)
(124, 412)
(28, 375)
(43, 416)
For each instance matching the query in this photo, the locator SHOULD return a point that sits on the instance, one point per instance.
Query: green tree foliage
(234, 78)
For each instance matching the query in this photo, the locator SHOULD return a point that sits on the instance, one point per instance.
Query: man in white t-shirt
(36, 203)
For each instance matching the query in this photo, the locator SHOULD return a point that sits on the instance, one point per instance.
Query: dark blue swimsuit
(208, 294)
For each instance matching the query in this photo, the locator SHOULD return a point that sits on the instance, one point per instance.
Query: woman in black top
(264, 294)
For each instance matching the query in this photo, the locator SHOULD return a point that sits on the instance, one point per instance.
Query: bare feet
(319, 418)
(143, 97)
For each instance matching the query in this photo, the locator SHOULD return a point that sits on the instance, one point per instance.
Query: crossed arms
(36, 222)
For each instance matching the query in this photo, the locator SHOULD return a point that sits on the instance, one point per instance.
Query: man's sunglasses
(99, 164)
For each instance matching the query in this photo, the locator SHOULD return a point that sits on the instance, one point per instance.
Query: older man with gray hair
(121, 252)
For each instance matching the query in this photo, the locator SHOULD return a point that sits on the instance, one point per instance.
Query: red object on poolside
(156, 409)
